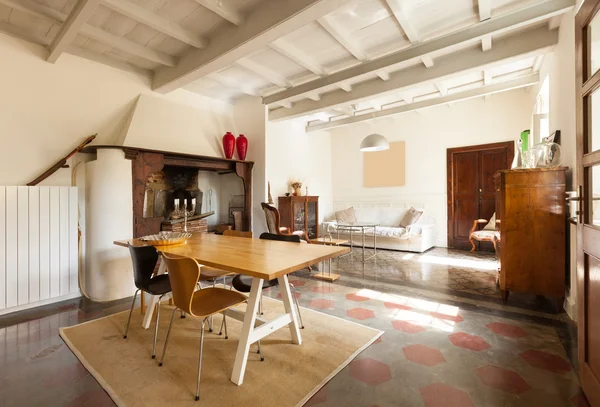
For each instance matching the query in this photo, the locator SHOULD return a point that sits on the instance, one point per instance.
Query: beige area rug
(289, 376)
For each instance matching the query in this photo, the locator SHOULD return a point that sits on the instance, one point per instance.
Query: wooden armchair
(274, 223)
(485, 235)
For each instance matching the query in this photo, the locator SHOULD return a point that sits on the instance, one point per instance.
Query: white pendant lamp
(374, 142)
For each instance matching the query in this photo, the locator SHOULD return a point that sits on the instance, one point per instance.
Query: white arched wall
(107, 272)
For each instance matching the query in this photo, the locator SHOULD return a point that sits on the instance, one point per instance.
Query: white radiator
(38, 246)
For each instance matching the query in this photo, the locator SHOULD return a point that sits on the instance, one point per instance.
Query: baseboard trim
(24, 307)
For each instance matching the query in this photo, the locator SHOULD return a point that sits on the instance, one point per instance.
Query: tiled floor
(448, 340)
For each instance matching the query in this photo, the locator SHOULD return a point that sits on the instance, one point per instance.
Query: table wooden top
(326, 240)
(266, 259)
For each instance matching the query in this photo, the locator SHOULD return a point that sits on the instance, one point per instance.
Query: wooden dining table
(260, 259)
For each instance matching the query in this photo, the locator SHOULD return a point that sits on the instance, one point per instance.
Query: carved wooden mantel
(145, 162)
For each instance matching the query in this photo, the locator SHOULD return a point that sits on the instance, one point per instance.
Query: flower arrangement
(296, 185)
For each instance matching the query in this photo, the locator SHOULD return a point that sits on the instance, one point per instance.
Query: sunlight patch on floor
(480, 264)
(421, 305)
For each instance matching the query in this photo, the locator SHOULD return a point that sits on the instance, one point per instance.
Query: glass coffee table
(365, 230)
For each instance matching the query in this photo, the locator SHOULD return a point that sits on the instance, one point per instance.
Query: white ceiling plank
(342, 36)
(497, 25)
(23, 34)
(128, 46)
(514, 48)
(486, 43)
(404, 21)
(160, 24)
(300, 57)
(264, 72)
(485, 9)
(225, 11)
(453, 98)
(427, 61)
(106, 60)
(36, 9)
(230, 83)
(273, 19)
(82, 11)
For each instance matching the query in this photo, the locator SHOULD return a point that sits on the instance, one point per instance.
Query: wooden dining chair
(184, 274)
(274, 223)
(144, 260)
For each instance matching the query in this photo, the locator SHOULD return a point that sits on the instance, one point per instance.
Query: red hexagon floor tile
(472, 342)
(423, 355)
(321, 304)
(407, 327)
(370, 371)
(454, 318)
(502, 379)
(297, 295)
(510, 331)
(441, 395)
(546, 361)
(393, 305)
(356, 297)
(325, 289)
(360, 313)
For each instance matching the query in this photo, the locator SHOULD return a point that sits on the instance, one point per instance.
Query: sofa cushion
(411, 216)
(347, 216)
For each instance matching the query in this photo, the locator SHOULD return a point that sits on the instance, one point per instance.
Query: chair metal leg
(262, 358)
(210, 321)
(167, 338)
(130, 312)
(156, 328)
(182, 314)
(200, 360)
(294, 293)
(224, 324)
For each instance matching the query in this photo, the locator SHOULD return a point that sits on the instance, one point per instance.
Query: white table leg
(162, 268)
(288, 302)
(241, 356)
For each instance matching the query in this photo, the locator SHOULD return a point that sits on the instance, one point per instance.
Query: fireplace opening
(163, 187)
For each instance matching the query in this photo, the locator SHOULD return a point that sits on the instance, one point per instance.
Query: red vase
(228, 144)
(242, 146)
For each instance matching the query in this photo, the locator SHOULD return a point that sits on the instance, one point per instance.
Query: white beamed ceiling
(330, 37)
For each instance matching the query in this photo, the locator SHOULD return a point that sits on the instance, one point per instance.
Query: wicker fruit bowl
(166, 238)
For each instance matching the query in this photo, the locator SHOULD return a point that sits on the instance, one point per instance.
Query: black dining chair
(144, 261)
(244, 283)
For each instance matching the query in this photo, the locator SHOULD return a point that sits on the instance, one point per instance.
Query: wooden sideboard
(300, 213)
(531, 219)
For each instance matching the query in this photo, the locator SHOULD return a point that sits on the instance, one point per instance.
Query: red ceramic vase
(228, 144)
(242, 146)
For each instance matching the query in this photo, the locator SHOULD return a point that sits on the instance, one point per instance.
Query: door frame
(588, 236)
(510, 148)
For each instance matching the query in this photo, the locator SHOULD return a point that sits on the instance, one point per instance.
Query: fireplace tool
(183, 211)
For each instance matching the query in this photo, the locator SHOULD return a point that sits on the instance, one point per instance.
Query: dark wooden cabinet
(531, 219)
(471, 188)
(300, 213)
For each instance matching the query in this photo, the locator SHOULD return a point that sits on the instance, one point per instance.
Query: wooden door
(587, 37)
(471, 192)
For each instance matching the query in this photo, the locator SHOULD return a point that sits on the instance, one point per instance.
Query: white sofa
(418, 237)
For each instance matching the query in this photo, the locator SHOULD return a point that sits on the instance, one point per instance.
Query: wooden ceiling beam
(513, 48)
(485, 9)
(453, 98)
(82, 11)
(486, 43)
(22, 34)
(342, 36)
(225, 11)
(526, 16)
(106, 60)
(404, 21)
(273, 19)
(160, 24)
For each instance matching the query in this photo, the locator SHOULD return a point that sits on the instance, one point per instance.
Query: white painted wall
(559, 67)
(293, 153)
(428, 135)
